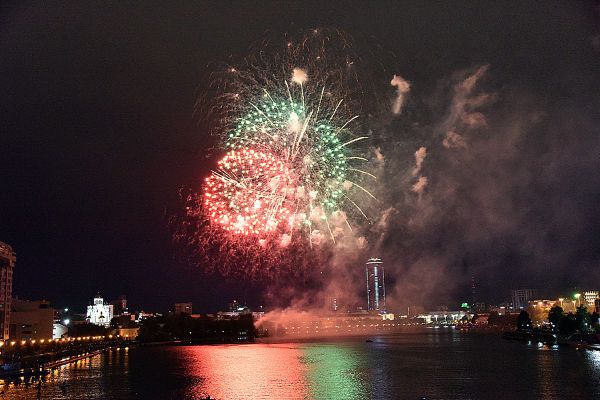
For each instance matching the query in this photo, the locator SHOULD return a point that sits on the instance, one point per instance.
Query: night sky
(98, 134)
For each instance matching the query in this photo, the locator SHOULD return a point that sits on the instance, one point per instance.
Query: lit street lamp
(577, 296)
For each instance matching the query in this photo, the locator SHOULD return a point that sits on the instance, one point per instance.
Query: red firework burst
(248, 193)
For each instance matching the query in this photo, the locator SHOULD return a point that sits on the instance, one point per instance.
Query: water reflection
(408, 366)
(594, 358)
(84, 379)
(547, 374)
(335, 371)
(246, 372)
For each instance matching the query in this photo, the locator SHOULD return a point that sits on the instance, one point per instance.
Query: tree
(568, 324)
(555, 314)
(123, 321)
(493, 318)
(86, 329)
(595, 320)
(523, 322)
(582, 317)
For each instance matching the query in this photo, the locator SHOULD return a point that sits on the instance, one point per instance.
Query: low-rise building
(59, 331)
(31, 320)
(443, 317)
(128, 333)
(183, 308)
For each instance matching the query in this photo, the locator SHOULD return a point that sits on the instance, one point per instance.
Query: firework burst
(302, 118)
(292, 130)
(247, 194)
(312, 148)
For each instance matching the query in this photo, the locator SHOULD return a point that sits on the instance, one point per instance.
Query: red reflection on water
(253, 371)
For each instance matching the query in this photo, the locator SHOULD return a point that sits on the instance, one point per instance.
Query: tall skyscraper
(375, 285)
(8, 259)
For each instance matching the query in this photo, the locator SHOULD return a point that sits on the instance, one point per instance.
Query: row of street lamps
(576, 297)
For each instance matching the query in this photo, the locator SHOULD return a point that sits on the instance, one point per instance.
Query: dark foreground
(438, 364)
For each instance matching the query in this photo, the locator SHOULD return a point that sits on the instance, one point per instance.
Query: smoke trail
(419, 158)
(462, 114)
(402, 88)
(420, 185)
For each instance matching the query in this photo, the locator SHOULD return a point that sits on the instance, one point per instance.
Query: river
(436, 364)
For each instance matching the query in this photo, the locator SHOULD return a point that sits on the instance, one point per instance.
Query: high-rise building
(375, 284)
(522, 297)
(183, 308)
(8, 259)
(100, 313)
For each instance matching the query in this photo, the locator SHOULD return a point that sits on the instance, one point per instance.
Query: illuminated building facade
(590, 298)
(522, 297)
(8, 259)
(100, 313)
(375, 285)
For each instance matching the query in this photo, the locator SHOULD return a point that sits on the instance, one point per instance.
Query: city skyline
(100, 312)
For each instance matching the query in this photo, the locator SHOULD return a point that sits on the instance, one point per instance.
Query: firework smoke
(402, 89)
(452, 177)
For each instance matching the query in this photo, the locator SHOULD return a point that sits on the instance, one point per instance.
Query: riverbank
(21, 361)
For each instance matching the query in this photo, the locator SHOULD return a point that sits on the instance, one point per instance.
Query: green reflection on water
(334, 372)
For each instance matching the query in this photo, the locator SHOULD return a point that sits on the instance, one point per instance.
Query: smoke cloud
(454, 140)
(504, 196)
(503, 189)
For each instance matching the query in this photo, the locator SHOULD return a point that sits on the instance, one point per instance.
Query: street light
(561, 301)
(577, 296)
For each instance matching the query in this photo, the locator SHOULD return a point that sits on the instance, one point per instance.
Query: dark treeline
(565, 323)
